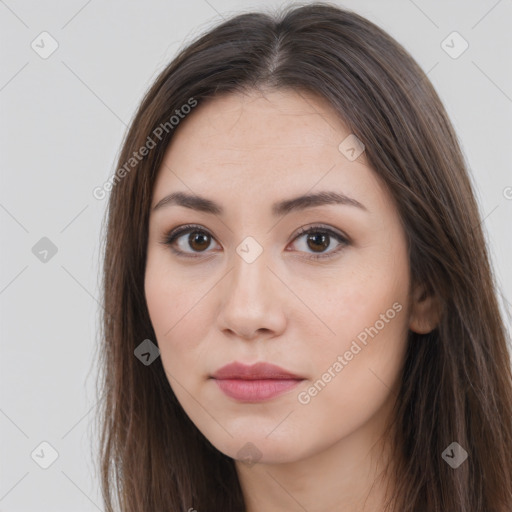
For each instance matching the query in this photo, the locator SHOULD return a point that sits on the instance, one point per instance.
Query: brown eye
(199, 241)
(318, 242)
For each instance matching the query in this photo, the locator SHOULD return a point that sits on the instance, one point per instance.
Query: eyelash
(170, 238)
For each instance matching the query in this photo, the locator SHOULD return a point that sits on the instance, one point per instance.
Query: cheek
(177, 311)
(354, 374)
(357, 366)
(367, 350)
(367, 299)
(355, 384)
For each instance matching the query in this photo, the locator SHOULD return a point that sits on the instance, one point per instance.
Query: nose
(253, 300)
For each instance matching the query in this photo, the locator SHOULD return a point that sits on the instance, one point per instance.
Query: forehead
(257, 121)
(262, 144)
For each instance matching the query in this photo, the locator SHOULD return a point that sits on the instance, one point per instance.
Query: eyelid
(340, 237)
(170, 237)
(320, 228)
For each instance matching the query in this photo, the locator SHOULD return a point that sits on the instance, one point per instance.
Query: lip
(258, 371)
(254, 383)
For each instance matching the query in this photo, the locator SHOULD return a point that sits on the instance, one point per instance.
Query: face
(320, 289)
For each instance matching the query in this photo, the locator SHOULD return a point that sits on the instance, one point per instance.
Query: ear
(424, 312)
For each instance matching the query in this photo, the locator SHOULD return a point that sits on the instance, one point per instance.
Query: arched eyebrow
(203, 204)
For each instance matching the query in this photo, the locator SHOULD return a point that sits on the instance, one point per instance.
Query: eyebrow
(205, 205)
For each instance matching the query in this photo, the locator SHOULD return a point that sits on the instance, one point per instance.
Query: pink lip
(254, 383)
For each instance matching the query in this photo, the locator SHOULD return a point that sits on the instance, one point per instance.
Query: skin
(247, 152)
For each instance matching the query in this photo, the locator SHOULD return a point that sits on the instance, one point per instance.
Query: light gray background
(62, 123)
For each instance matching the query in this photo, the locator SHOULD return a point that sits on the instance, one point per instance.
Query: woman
(293, 226)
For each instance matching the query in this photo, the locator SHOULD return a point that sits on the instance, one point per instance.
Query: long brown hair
(457, 382)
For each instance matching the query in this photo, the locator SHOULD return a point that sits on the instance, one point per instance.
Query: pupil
(315, 237)
(193, 237)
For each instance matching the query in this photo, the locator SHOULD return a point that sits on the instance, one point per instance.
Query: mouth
(254, 383)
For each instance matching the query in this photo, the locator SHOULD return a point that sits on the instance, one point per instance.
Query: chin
(254, 446)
